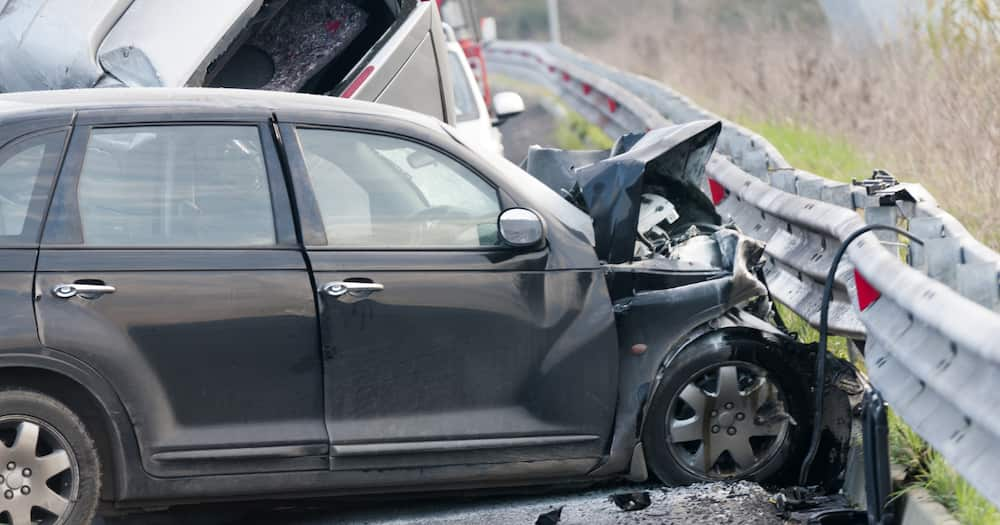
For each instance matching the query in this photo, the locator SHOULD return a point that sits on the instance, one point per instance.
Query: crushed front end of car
(694, 315)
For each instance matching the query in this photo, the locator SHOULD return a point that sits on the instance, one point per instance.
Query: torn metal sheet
(609, 185)
(29, 30)
(270, 44)
(171, 44)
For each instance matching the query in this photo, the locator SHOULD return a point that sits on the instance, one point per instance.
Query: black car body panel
(226, 373)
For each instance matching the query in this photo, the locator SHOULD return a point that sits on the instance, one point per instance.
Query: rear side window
(171, 186)
(26, 170)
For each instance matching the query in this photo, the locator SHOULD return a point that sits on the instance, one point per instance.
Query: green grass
(830, 157)
(575, 132)
(928, 469)
(808, 334)
(838, 159)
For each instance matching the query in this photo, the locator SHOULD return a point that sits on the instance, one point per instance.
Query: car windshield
(465, 95)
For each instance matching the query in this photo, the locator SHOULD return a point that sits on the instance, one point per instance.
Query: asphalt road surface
(535, 126)
(716, 503)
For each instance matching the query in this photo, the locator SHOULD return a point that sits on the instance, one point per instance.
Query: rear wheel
(724, 410)
(49, 468)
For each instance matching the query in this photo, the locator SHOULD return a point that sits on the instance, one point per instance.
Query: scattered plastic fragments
(631, 501)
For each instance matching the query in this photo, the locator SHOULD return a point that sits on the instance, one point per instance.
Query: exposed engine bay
(655, 227)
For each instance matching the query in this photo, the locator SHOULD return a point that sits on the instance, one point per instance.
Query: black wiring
(817, 430)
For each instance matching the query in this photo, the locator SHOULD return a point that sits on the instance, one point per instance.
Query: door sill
(235, 454)
(454, 445)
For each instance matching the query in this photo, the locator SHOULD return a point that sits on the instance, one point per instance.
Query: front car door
(169, 262)
(442, 346)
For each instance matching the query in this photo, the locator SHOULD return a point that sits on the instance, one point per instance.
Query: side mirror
(507, 104)
(521, 228)
(488, 28)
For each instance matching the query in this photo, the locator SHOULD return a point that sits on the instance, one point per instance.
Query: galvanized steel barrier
(929, 315)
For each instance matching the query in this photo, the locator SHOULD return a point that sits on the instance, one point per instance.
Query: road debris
(550, 518)
(631, 501)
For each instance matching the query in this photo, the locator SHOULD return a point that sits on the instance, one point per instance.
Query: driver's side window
(376, 191)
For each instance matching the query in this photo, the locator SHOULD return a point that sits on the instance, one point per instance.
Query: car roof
(207, 99)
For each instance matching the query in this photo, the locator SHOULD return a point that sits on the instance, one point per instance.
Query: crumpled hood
(608, 184)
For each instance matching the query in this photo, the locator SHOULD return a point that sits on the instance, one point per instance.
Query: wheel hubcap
(727, 422)
(38, 476)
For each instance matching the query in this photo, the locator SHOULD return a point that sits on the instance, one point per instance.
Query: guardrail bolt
(740, 416)
(729, 406)
(25, 490)
(714, 413)
(11, 465)
(26, 472)
(9, 494)
(731, 431)
(715, 429)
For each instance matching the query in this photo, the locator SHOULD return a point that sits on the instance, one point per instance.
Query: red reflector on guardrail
(565, 76)
(867, 294)
(612, 105)
(586, 89)
(718, 191)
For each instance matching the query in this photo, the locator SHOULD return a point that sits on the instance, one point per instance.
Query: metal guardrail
(931, 322)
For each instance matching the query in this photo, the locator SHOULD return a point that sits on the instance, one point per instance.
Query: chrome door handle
(340, 288)
(87, 291)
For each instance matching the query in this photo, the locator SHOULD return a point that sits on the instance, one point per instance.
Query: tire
(720, 430)
(22, 414)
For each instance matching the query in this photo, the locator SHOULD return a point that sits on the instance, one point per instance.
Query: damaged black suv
(214, 294)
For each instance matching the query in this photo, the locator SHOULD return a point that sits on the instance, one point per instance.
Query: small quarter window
(386, 192)
(26, 169)
(162, 186)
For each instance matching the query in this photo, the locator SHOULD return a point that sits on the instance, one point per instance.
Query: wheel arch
(738, 326)
(90, 397)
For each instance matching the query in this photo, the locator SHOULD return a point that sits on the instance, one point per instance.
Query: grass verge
(575, 132)
(837, 159)
(831, 157)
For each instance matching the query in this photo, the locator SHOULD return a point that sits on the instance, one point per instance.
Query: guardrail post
(979, 283)
(887, 215)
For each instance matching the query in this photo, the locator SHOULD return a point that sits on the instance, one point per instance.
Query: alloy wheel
(38, 473)
(727, 422)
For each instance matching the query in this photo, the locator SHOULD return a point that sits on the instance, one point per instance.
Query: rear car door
(443, 346)
(170, 264)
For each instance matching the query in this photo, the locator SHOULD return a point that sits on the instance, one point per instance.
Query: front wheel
(49, 467)
(725, 410)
